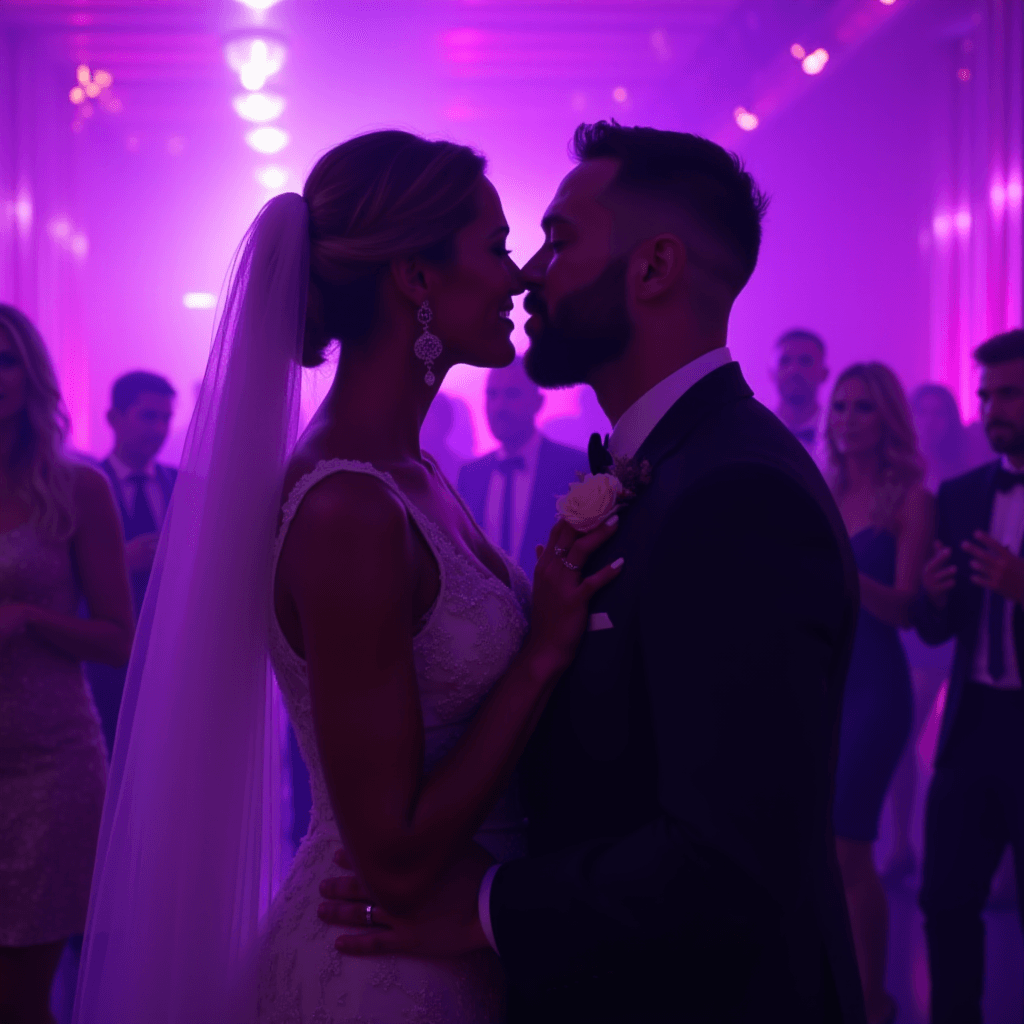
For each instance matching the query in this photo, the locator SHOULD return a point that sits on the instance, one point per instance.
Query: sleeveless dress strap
(328, 467)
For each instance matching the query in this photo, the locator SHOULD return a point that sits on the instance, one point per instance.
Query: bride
(404, 644)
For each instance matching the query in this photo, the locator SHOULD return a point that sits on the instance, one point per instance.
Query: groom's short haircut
(1001, 349)
(692, 174)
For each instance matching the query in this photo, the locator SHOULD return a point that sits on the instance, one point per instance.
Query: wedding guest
(576, 431)
(973, 589)
(949, 449)
(798, 375)
(141, 407)
(60, 540)
(876, 472)
(511, 492)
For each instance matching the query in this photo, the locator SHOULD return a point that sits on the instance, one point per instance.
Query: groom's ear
(657, 265)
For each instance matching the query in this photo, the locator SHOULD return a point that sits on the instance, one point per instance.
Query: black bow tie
(1006, 481)
(597, 453)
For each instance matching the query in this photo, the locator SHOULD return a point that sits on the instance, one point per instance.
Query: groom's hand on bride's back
(446, 925)
(562, 592)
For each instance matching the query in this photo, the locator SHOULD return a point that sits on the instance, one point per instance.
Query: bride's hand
(446, 925)
(561, 593)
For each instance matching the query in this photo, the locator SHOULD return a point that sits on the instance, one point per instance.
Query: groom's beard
(590, 327)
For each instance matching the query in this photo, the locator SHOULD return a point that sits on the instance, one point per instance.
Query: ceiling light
(258, 5)
(258, 106)
(199, 300)
(745, 119)
(82, 74)
(267, 140)
(104, 79)
(255, 59)
(77, 94)
(272, 177)
(814, 63)
(798, 51)
(620, 95)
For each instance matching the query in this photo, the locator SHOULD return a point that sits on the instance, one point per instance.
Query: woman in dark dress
(876, 475)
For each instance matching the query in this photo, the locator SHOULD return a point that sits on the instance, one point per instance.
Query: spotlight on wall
(888, 3)
(814, 63)
(619, 94)
(267, 140)
(745, 119)
(797, 51)
(199, 300)
(258, 106)
(254, 59)
(272, 177)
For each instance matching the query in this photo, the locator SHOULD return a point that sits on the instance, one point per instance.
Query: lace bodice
(465, 642)
(463, 645)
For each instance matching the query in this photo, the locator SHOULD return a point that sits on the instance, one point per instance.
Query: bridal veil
(190, 842)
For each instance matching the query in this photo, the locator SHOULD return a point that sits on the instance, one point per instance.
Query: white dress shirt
(632, 429)
(1007, 527)
(128, 487)
(522, 495)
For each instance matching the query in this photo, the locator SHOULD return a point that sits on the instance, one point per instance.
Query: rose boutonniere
(598, 495)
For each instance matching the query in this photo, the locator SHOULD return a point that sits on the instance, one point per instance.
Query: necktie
(142, 520)
(506, 467)
(1006, 481)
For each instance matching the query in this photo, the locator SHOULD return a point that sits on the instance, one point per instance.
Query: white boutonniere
(598, 496)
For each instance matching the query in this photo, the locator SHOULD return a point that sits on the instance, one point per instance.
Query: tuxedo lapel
(719, 388)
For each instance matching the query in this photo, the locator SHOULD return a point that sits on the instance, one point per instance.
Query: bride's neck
(378, 402)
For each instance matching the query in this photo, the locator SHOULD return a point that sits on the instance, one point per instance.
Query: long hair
(44, 474)
(902, 466)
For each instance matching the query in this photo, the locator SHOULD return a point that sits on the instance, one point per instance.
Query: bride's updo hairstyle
(373, 199)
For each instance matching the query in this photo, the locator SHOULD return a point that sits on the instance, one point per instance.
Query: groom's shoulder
(746, 434)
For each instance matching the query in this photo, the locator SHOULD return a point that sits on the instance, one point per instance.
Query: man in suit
(973, 590)
(141, 408)
(678, 786)
(512, 491)
(798, 375)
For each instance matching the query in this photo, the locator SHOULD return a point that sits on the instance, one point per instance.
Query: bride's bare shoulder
(344, 504)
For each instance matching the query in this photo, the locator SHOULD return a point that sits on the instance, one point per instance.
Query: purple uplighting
(177, 208)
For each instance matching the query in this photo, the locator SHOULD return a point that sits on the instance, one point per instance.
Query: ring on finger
(569, 565)
(561, 552)
(369, 915)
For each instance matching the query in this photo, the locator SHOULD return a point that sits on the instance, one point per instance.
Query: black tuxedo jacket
(963, 506)
(557, 465)
(678, 787)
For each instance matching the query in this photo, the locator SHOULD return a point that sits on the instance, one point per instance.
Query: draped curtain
(42, 242)
(975, 237)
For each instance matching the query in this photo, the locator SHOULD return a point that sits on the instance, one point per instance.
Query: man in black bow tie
(973, 589)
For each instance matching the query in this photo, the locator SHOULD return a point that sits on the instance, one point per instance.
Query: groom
(678, 786)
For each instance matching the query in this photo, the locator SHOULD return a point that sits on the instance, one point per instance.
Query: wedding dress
(463, 645)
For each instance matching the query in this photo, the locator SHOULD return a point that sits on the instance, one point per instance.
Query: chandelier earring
(428, 345)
